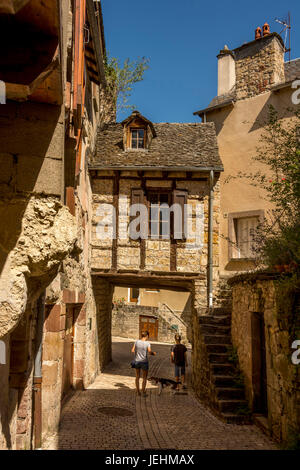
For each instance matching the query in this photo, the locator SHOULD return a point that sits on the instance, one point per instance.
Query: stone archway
(103, 285)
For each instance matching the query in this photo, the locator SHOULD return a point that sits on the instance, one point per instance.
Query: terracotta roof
(177, 145)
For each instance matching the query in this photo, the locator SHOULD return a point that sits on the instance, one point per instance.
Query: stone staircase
(227, 395)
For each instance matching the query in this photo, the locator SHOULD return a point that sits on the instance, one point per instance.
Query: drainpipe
(37, 376)
(210, 239)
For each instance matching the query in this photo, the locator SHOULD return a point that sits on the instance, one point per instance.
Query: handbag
(132, 364)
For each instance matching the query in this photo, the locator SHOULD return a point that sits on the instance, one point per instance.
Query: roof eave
(213, 108)
(216, 168)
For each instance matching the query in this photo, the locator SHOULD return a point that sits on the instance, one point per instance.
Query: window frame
(137, 128)
(232, 217)
(159, 191)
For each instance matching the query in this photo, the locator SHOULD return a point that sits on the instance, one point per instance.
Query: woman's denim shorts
(142, 365)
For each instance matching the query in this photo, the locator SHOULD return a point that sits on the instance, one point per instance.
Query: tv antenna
(286, 23)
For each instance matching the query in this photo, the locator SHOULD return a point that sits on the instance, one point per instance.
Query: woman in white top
(141, 349)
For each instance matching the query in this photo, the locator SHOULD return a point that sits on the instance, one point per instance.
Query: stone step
(217, 339)
(215, 329)
(214, 320)
(221, 311)
(222, 369)
(232, 406)
(232, 418)
(230, 393)
(218, 358)
(223, 380)
(217, 348)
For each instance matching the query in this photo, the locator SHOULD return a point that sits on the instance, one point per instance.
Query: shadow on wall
(187, 318)
(29, 160)
(283, 105)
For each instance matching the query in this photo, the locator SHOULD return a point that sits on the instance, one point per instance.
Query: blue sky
(182, 39)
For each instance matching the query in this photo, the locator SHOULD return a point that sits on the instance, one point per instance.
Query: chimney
(258, 33)
(226, 71)
(266, 29)
(259, 64)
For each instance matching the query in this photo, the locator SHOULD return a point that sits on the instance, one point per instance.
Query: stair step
(221, 311)
(223, 380)
(222, 369)
(218, 358)
(217, 348)
(217, 339)
(215, 329)
(232, 406)
(214, 320)
(230, 393)
(232, 418)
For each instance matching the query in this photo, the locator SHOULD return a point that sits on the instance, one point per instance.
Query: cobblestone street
(109, 415)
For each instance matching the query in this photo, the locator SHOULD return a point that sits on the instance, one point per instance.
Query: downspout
(210, 240)
(37, 375)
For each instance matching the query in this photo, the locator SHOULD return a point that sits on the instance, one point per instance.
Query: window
(159, 218)
(162, 220)
(134, 294)
(242, 229)
(137, 138)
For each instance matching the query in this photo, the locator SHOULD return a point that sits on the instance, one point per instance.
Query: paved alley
(109, 415)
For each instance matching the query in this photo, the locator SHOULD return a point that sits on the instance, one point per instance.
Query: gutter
(158, 168)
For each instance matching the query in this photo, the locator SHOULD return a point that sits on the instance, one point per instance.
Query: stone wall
(157, 252)
(126, 320)
(103, 292)
(256, 295)
(259, 66)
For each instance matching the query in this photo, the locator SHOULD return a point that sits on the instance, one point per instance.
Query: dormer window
(138, 132)
(137, 138)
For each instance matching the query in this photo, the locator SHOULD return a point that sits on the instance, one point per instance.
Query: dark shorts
(179, 370)
(142, 365)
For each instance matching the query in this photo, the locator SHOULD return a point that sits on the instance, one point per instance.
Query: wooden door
(259, 372)
(150, 324)
(67, 379)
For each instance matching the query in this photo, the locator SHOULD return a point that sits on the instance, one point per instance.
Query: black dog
(163, 383)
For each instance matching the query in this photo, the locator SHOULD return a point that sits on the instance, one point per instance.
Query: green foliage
(120, 302)
(121, 78)
(292, 442)
(288, 304)
(243, 410)
(233, 358)
(233, 355)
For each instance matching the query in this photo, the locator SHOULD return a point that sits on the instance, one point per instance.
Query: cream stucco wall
(174, 300)
(239, 129)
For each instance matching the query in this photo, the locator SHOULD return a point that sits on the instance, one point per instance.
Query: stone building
(155, 166)
(250, 79)
(51, 67)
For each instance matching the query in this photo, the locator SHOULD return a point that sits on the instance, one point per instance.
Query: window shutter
(179, 226)
(138, 197)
